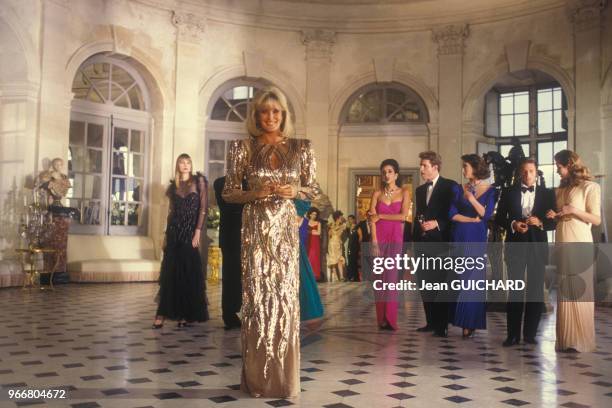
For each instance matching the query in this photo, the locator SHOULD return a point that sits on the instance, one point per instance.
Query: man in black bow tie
(431, 233)
(522, 213)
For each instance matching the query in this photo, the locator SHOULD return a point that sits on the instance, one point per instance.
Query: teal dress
(310, 301)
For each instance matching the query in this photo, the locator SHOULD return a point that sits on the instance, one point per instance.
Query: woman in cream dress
(578, 204)
(277, 169)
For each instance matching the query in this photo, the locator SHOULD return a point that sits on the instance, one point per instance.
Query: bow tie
(530, 189)
(429, 183)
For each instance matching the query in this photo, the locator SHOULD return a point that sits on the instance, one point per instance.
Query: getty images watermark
(485, 271)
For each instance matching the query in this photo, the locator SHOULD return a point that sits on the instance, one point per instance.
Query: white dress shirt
(430, 189)
(527, 200)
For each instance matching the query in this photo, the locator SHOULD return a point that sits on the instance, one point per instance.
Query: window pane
(137, 167)
(507, 125)
(133, 189)
(119, 161)
(118, 189)
(120, 140)
(526, 149)
(123, 102)
(90, 212)
(240, 92)
(116, 92)
(556, 178)
(76, 160)
(241, 108)
(220, 110)
(560, 145)
(136, 99)
(545, 153)
(77, 133)
(504, 150)
(95, 96)
(506, 104)
(121, 77)
(521, 124)
(93, 186)
(545, 122)
(136, 141)
(95, 135)
(118, 214)
(521, 102)
(548, 170)
(217, 150)
(94, 161)
(134, 214)
(557, 102)
(544, 100)
(215, 170)
(77, 186)
(80, 86)
(557, 122)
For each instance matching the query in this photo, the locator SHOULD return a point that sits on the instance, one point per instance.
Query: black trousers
(524, 308)
(231, 291)
(436, 303)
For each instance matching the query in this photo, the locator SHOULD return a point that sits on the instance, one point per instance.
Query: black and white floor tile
(95, 342)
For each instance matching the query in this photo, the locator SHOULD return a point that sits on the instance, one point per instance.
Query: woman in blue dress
(311, 309)
(472, 206)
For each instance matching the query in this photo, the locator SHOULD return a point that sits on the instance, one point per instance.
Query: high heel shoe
(157, 325)
(469, 333)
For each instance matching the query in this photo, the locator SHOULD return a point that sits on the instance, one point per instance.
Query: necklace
(389, 192)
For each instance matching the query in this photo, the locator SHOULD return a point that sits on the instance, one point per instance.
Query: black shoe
(440, 333)
(425, 328)
(510, 341)
(531, 340)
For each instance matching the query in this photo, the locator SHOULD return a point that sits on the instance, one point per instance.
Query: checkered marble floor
(95, 342)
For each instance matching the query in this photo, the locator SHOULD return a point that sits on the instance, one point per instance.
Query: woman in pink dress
(388, 210)
(313, 244)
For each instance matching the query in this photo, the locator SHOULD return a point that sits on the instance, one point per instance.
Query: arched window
(384, 103)
(227, 122)
(107, 154)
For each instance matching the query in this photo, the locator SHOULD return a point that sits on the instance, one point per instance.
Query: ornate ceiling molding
(585, 14)
(393, 17)
(191, 27)
(318, 43)
(450, 38)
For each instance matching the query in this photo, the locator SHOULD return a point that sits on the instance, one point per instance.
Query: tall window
(108, 148)
(537, 117)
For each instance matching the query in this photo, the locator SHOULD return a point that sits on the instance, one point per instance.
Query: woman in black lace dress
(181, 281)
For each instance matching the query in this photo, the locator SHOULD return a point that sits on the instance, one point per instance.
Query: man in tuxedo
(522, 213)
(431, 233)
(229, 241)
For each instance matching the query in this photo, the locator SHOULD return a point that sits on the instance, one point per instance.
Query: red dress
(314, 252)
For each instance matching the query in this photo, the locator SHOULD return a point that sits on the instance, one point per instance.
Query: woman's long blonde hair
(578, 172)
(177, 173)
(261, 98)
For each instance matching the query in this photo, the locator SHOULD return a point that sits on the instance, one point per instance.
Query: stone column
(54, 116)
(450, 145)
(188, 137)
(318, 64)
(586, 18)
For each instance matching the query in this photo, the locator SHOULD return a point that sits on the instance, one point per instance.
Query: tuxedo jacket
(509, 209)
(230, 221)
(438, 209)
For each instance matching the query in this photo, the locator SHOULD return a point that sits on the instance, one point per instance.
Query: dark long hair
(480, 168)
(395, 165)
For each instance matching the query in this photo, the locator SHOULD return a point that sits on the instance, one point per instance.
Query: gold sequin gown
(270, 261)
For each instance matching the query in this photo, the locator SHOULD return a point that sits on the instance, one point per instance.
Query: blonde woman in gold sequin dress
(578, 208)
(277, 169)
